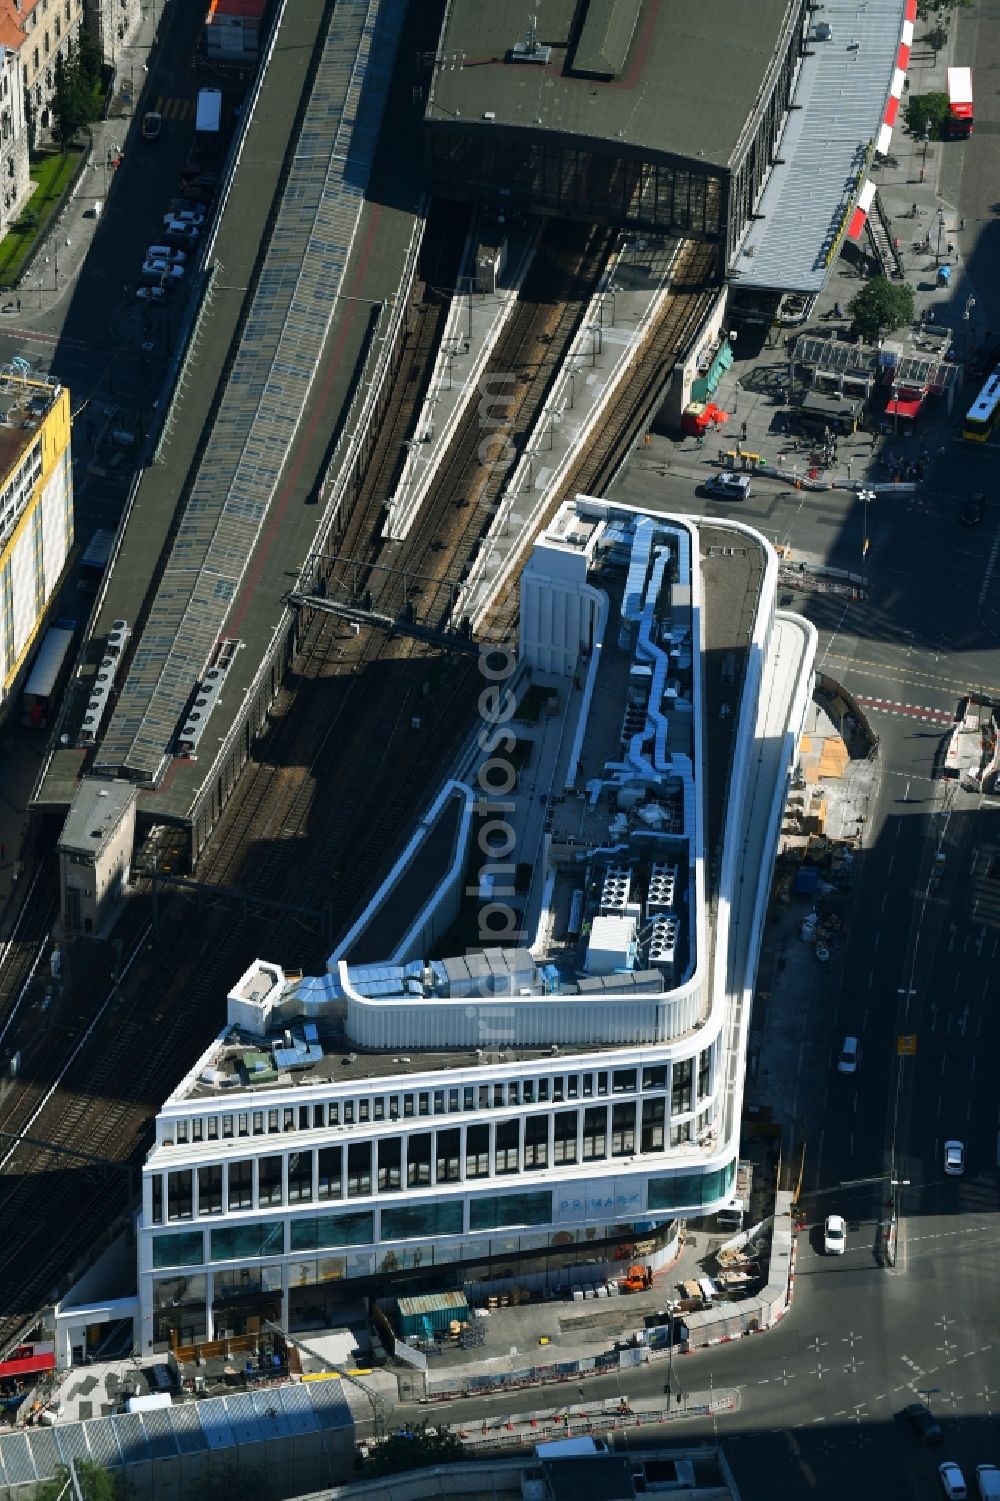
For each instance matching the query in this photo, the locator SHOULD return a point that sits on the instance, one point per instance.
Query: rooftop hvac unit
(663, 942)
(661, 895)
(615, 891)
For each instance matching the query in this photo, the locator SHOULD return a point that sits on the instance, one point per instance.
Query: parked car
(850, 1056)
(920, 1417)
(181, 236)
(954, 1158)
(972, 510)
(165, 253)
(728, 486)
(150, 294)
(952, 1481)
(152, 124)
(835, 1235)
(194, 216)
(163, 269)
(202, 188)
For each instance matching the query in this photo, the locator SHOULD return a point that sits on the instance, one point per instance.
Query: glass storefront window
(313, 1232)
(255, 1238)
(185, 1249)
(413, 1222)
(510, 1209)
(686, 1190)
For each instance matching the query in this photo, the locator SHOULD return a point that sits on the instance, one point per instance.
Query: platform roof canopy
(680, 79)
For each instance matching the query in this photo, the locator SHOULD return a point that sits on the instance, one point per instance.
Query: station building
(36, 514)
(524, 1064)
(647, 117)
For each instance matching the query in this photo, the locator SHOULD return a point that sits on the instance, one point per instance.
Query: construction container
(431, 1313)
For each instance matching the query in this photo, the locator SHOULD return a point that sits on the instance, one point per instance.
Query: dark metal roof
(605, 37)
(691, 78)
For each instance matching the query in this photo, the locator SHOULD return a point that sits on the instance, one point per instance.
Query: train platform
(389, 227)
(617, 321)
(476, 320)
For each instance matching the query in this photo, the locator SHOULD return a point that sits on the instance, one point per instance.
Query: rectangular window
(680, 1086)
(602, 1083)
(181, 1133)
(394, 1107)
(213, 1128)
(268, 1181)
(543, 1091)
(197, 1129)
(655, 1077)
(378, 1107)
(484, 1096)
(185, 1249)
(300, 1177)
(595, 1133)
(243, 1124)
(329, 1165)
(227, 1127)
(210, 1189)
(449, 1155)
(348, 1112)
(536, 1141)
(653, 1112)
(512, 1093)
(623, 1081)
(334, 1114)
(390, 1158)
(680, 1135)
(477, 1152)
(359, 1169)
(528, 1091)
(439, 1102)
(421, 1220)
(508, 1135)
(502, 1210)
(303, 1117)
(468, 1098)
(288, 1118)
(622, 1130)
(588, 1085)
(565, 1136)
(497, 1096)
(572, 1087)
(319, 1116)
(423, 1104)
(241, 1185)
(272, 1120)
(704, 1075)
(363, 1111)
(180, 1195)
(157, 1188)
(407, 1106)
(418, 1160)
(258, 1123)
(255, 1238)
(452, 1100)
(315, 1232)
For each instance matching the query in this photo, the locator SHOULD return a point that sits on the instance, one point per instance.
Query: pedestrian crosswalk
(171, 107)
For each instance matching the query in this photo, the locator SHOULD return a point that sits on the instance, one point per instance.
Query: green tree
(926, 8)
(96, 1484)
(70, 109)
(924, 108)
(880, 307)
(415, 1449)
(91, 70)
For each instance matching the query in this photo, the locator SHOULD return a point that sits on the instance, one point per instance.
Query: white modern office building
(525, 1062)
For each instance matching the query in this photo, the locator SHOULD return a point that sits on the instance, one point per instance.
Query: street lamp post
(970, 303)
(572, 386)
(895, 411)
(937, 253)
(927, 136)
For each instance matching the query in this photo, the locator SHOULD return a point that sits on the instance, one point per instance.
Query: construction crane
(381, 1410)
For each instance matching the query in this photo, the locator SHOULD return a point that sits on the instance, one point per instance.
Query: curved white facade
(577, 1082)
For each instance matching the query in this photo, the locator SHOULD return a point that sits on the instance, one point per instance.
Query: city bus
(958, 124)
(983, 413)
